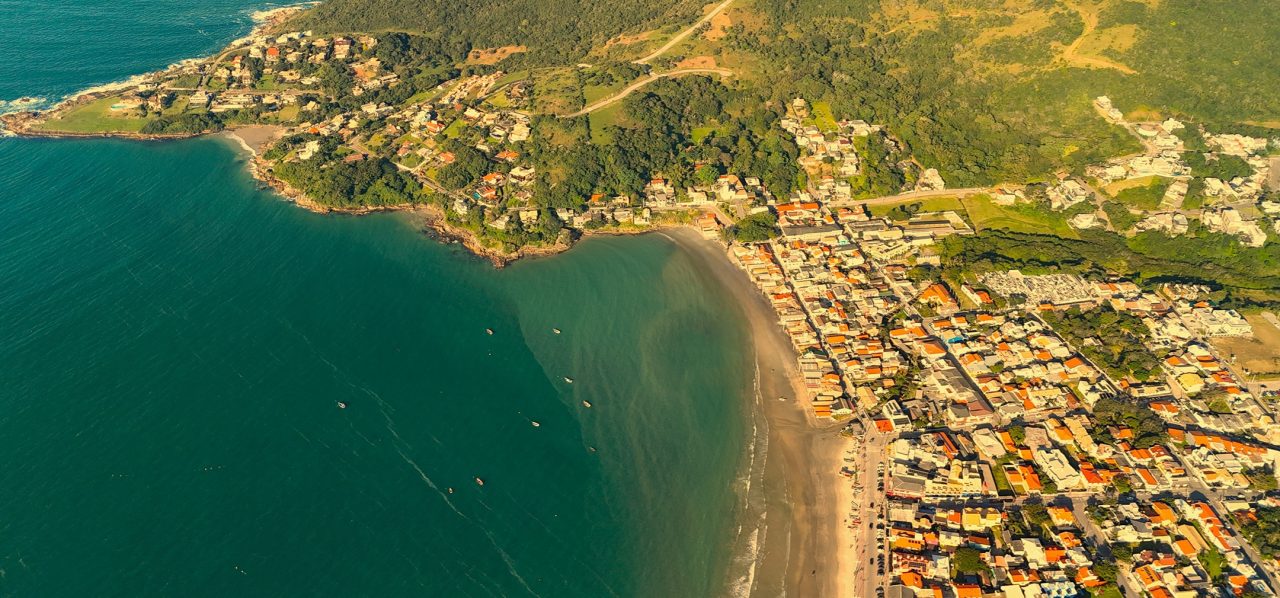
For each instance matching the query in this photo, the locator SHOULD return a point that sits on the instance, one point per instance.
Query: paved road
(870, 512)
(1127, 584)
(641, 83)
(679, 37)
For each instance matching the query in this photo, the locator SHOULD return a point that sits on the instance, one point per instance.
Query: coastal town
(1009, 441)
(1012, 433)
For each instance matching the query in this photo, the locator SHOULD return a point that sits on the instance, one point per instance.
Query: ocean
(175, 344)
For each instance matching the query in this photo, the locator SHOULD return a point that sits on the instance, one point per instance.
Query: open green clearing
(823, 118)
(602, 119)
(930, 204)
(96, 117)
(1024, 218)
(1143, 194)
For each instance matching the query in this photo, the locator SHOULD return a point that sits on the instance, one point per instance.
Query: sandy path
(679, 37)
(1071, 53)
(641, 83)
(806, 544)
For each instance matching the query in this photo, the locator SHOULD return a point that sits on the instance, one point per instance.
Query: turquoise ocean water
(174, 344)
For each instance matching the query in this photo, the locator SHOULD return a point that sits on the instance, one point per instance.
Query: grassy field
(95, 117)
(1260, 354)
(454, 129)
(822, 116)
(267, 83)
(603, 118)
(499, 100)
(930, 204)
(557, 91)
(1023, 218)
(700, 133)
(1142, 193)
(594, 93)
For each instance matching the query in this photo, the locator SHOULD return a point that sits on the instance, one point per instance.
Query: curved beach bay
(176, 343)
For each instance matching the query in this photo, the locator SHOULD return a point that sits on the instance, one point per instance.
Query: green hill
(563, 30)
(988, 93)
(983, 91)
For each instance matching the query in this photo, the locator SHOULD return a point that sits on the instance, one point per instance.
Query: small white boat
(591, 448)
(342, 405)
(479, 482)
(586, 404)
(568, 380)
(556, 330)
(488, 331)
(536, 424)
(450, 490)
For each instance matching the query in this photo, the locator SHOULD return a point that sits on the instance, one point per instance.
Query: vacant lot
(1023, 218)
(1260, 354)
(930, 204)
(1142, 193)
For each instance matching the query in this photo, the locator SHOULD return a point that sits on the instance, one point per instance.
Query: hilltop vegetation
(983, 93)
(555, 31)
(989, 95)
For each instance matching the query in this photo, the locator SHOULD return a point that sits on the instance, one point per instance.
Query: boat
(488, 331)
(586, 404)
(556, 330)
(479, 482)
(568, 379)
(342, 405)
(591, 448)
(536, 424)
(450, 490)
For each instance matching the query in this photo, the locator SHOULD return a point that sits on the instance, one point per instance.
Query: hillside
(983, 93)
(988, 94)
(552, 30)
(528, 125)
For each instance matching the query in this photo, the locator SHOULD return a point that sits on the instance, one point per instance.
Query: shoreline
(800, 543)
(795, 539)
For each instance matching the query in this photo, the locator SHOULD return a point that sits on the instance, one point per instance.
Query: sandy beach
(255, 138)
(806, 547)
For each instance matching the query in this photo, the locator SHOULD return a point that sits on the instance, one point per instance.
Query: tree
(336, 79)
(968, 561)
(707, 174)
(1035, 513)
(1106, 571)
(755, 228)
(1018, 433)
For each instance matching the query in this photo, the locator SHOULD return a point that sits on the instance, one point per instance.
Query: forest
(554, 31)
(1148, 428)
(1262, 528)
(1119, 348)
(1247, 276)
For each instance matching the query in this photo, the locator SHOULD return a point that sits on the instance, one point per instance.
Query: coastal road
(641, 83)
(679, 37)
(870, 512)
